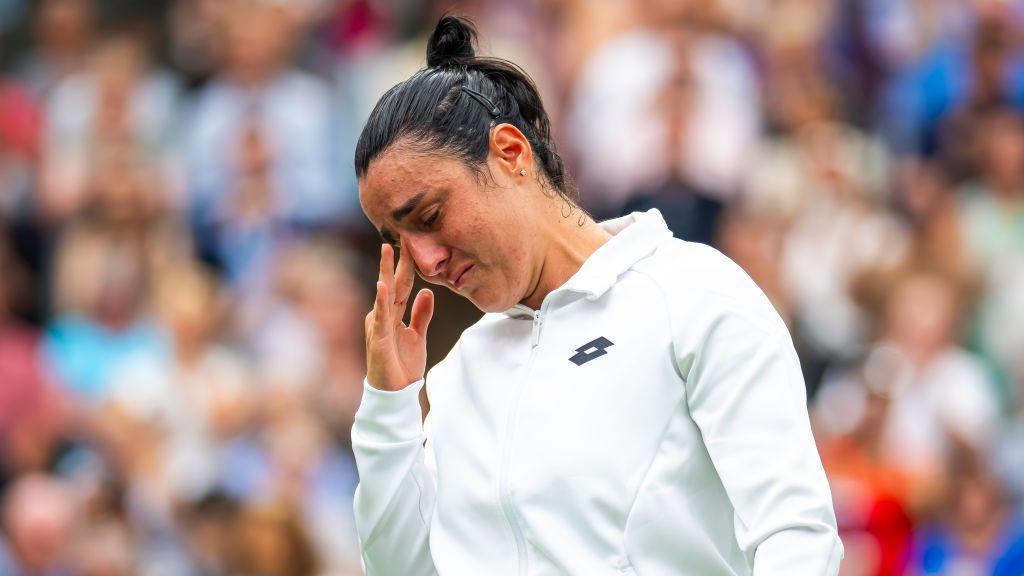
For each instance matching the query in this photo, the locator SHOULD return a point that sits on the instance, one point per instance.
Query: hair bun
(451, 42)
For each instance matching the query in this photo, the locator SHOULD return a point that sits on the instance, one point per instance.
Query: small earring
(522, 171)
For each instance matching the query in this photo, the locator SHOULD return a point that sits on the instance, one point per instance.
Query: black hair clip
(484, 100)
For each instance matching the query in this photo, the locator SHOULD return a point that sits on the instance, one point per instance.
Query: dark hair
(452, 104)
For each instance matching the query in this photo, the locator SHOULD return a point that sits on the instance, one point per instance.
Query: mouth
(460, 278)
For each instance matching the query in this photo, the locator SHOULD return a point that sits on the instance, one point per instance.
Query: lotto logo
(593, 349)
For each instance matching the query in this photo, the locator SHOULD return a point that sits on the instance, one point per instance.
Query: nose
(430, 257)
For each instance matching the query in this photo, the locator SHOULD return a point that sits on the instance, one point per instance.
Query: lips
(461, 276)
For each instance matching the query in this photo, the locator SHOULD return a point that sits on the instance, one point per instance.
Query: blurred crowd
(183, 262)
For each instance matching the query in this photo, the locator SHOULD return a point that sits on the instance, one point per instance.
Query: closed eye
(429, 222)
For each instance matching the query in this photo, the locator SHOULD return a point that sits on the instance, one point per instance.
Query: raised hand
(396, 354)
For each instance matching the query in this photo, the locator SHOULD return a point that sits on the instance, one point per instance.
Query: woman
(629, 403)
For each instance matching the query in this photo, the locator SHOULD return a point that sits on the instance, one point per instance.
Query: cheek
(501, 251)
(495, 249)
(511, 270)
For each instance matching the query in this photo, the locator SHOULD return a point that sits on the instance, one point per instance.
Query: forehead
(399, 174)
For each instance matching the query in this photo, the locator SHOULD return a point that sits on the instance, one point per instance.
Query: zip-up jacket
(649, 419)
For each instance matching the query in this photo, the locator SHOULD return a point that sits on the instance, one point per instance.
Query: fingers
(381, 311)
(387, 267)
(422, 311)
(404, 277)
(398, 281)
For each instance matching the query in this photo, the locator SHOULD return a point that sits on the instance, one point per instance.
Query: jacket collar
(634, 236)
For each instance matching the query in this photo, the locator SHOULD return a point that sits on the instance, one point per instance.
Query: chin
(486, 302)
(487, 306)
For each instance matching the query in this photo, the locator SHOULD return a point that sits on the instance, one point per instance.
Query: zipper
(504, 494)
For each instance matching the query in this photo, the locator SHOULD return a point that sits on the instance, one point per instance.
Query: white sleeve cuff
(387, 417)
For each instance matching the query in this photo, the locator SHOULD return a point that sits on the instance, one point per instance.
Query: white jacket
(649, 419)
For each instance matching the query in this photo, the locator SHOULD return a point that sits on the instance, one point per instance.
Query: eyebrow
(410, 205)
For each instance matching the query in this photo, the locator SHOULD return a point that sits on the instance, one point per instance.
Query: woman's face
(463, 230)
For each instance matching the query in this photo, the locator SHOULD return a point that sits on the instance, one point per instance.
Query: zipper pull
(535, 334)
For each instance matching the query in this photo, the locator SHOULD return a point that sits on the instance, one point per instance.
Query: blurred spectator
(31, 411)
(578, 27)
(101, 293)
(839, 231)
(956, 61)
(175, 409)
(616, 125)
(311, 366)
(931, 207)
(283, 343)
(937, 396)
(994, 203)
(209, 526)
(117, 101)
(977, 533)
(318, 478)
(690, 212)
(943, 396)
(874, 497)
(793, 40)
(125, 195)
(196, 44)
(323, 277)
(270, 541)
(825, 180)
(64, 31)
(39, 514)
(994, 79)
(103, 264)
(20, 127)
(260, 148)
(921, 46)
(992, 217)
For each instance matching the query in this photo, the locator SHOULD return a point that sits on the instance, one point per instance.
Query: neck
(567, 244)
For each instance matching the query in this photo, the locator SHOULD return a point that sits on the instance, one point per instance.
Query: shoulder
(700, 285)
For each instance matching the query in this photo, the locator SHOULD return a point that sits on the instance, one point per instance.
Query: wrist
(382, 385)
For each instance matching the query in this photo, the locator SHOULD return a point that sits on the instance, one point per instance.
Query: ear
(510, 148)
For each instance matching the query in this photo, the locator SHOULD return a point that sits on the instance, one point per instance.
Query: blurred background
(184, 268)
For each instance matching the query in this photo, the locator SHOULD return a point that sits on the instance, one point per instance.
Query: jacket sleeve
(746, 393)
(394, 500)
